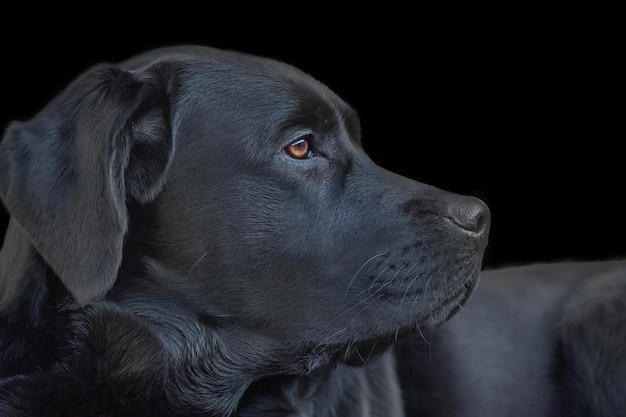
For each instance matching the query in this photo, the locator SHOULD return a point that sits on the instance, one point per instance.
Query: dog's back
(537, 340)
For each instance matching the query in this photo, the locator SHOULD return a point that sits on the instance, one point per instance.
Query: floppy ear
(66, 174)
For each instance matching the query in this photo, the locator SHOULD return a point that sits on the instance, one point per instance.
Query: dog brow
(352, 124)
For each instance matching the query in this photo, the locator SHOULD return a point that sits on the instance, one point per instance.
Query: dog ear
(66, 175)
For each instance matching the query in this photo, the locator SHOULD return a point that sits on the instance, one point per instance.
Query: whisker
(182, 244)
(361, 268)
(196, 263)
(425, 291)
(375, 280)
(370, 295)
(371, 351)
(363, 304)
(408, 287)
(345, 355)
(360, 356)
(329, 337)
(421, 334)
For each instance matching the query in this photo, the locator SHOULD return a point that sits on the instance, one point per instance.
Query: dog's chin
(360, 352)
(448, 308)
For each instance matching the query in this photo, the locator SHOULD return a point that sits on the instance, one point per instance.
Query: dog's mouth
(359, 352)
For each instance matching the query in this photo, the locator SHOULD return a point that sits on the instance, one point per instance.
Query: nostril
(471, 214)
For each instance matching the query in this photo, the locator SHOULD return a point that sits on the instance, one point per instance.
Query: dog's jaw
(359, 352)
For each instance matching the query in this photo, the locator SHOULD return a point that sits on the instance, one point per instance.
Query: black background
(524, 113)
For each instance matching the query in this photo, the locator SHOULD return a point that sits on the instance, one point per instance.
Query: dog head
(240, 185)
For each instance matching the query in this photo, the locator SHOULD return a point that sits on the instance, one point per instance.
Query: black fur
(538, 340)
(167, 256)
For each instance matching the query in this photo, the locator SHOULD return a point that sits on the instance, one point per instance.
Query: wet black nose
(471, 214)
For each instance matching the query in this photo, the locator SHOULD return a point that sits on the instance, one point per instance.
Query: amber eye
(299, 149)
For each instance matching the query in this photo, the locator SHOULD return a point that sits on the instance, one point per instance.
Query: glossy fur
(167, 256)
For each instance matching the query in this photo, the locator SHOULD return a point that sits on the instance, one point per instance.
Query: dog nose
(471, 214)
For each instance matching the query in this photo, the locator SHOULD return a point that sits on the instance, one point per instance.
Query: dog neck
(344, 390)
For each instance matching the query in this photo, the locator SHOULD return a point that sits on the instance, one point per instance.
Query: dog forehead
(229, 104)
(234, 71)
(246, 94)
(251, 83)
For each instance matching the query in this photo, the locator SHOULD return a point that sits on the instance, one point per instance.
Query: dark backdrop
(522, 116)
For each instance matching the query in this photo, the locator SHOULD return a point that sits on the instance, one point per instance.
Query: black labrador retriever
(198, 232)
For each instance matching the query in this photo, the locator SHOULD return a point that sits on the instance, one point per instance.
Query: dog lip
(450, 306)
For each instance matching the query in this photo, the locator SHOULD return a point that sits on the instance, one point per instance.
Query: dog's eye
(300, 149)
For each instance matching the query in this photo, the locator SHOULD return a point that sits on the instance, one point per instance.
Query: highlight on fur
(168, 254)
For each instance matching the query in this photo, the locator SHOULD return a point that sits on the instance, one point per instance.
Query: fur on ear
(66, 174)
